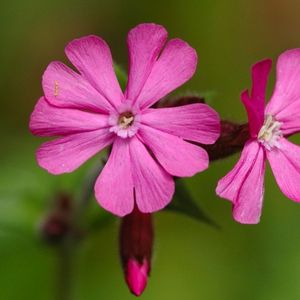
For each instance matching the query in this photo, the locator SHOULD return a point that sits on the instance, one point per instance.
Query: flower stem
(64, 271)
(68, 243)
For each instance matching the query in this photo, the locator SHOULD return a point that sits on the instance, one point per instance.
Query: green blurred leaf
(121, 75)
(184, 203)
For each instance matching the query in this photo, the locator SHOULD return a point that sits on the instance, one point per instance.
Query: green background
(192, 260)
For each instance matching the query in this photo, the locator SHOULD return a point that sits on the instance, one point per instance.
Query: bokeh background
(192, 260)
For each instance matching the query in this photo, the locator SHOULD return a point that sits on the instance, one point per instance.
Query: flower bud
(57, 224)
(232, 140)
(136, 241)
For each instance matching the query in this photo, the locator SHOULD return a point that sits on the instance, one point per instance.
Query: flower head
(89, 111)
(269, 128)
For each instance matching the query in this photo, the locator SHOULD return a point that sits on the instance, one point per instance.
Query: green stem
(64, 271)
(66, 248)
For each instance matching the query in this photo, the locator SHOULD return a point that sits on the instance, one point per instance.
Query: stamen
(270, 133)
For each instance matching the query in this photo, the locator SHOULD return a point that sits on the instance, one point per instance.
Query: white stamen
(270, 133)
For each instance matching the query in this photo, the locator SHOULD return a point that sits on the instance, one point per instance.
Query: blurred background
(192, 260)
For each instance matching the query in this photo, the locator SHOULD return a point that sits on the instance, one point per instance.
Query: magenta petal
(255, 104)
(65, 88)
(66, 154)
(48, 120)
(287, 87)
(289, 119)
(137, 276)
(243, 185)
(178, 158)
(260, 75)
(176, 65)
(194, 122)
(285, 164)
(285, 102)
(145, 42)
(114, 186)
(92, 57)
(154, 187)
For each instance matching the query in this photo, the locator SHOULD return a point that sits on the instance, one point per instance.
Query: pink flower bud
(136, 241)
(137, 276)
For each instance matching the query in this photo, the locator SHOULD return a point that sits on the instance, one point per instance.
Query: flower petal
(145, 42)
(176, 65)
(92, 57)
(48, 120)
(289, 119)
(65, 88)
(255, 105)
(154, 187)
(287, 87)
(194, 122)
(114, 186)
(243, 185)
(178, 157)
(66, 154)
(285, 164)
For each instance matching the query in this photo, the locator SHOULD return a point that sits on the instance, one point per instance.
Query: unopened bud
(232, 140)
(136, 242)
(137, 276)
(56, 225)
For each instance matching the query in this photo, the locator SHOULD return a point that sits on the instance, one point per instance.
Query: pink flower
(89, 112)
(269, 128)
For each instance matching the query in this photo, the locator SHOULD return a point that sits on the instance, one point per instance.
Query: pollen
(270, 133)
(56, 88)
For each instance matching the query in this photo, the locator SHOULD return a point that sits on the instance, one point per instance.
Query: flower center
(270, 133)
(126, 119)
(124, 123)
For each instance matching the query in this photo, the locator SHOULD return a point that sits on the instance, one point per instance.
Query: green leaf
(121, 75)
(184, 203)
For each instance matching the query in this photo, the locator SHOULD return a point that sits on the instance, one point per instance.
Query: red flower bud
(136, 241)
(57, 224)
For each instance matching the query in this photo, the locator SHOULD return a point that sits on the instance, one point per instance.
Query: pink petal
(176, 65)
(178, 158)
(92, 57)
(194, 122)
(255, 104)
(137, 276)
(285, 164)
(289, 119)
(65, 88)
(66, 154)
(243, 185)
(287, 87)
(48, 120)
(154, 187)
(114, 186)
(145, 42)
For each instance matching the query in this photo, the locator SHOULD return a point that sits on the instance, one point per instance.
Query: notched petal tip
(148, 28)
